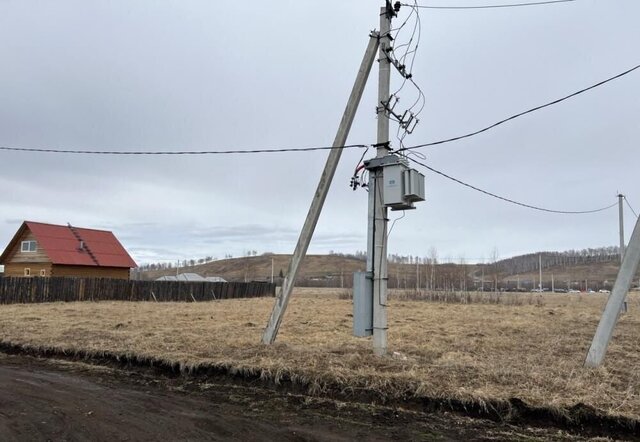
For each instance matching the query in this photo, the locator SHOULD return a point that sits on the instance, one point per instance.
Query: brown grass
(459, 297)
(475, 352)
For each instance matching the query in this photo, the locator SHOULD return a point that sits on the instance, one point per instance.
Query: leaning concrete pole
(609, 317)
(282, 300)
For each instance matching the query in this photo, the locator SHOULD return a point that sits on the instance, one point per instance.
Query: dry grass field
(472, 352)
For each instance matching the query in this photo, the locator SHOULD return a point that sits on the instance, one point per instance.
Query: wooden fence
(33, 290)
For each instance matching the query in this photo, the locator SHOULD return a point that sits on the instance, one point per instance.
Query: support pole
(611, 312)
(621, 224)
(540, 270)
(282, 300)
(377, 243)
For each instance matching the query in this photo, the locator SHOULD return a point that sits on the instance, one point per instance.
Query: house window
(29, 246)
(27, 272)
(43, 272)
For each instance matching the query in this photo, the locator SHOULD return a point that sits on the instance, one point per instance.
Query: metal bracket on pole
(282, 300)
(611, 312)
(407, 120)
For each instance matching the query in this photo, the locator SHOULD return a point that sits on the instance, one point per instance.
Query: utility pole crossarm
(320, 195)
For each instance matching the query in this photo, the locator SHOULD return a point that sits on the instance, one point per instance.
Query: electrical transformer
(403, 186)
(413, 185)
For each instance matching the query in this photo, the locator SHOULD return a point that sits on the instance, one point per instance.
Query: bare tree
(463, 273)
(433, 261)
(495, 268)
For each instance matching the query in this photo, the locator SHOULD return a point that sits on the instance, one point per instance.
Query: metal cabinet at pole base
(362, 304)
(403, 186)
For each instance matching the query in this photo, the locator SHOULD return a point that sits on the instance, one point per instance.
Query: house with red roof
(39, 249)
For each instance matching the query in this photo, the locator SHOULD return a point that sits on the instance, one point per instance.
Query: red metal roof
(62, 246)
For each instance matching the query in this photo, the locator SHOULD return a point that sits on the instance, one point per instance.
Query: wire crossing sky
(512, 5)
(511, 201)
(520, 114)
(311, 149)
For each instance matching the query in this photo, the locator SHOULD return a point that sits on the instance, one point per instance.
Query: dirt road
(62, 401)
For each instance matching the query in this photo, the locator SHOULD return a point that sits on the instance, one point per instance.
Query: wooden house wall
(16, 255)
(90, 272)
(17, 269)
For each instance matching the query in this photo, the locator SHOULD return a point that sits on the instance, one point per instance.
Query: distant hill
(315, 268)
(592, 268)
(596, 276)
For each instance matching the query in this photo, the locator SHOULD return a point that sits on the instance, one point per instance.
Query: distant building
(167, 278)
(215, 279)
(191, 277)
(39, 249)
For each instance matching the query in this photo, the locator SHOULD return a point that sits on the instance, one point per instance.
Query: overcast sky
(192, 75)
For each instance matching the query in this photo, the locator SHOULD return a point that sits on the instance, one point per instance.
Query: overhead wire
(394, 223)
(309, 149)
(520, 114)
(512, 5)
(358, 174)
(509, 200)
(399, 28)
(180, 152)
(408, 74)
(417, 29)
(407, 45)
(629, 204)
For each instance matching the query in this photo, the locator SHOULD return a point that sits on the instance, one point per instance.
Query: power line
(179, 152)
(407, 75)
(629, 204)
(508, 200)
(534, 109)
(514, 5)
(309, 149)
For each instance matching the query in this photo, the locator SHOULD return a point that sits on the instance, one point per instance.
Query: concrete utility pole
(377, 222)
(540, 269)
(611, 312)
(621, 223)
(284, 294)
